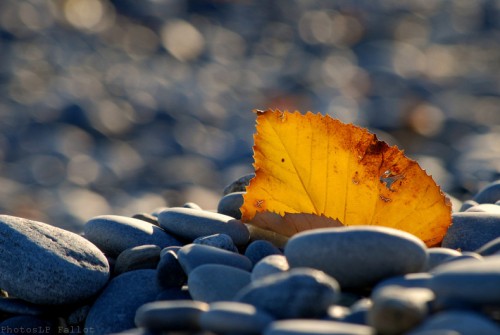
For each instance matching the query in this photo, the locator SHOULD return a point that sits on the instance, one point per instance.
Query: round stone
(221, 241)
(270, 265)
(316, 327)
(299, 293)
(44, 264)
(357, 256)
(259, 249)
(471, 230)
(135, 258)
(113, 234)
(230, 204)
(192, 223)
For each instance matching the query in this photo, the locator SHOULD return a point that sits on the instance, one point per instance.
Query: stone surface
(215, 282)
(179, 315)
(490, 248)
(357, 256)
(462, 322)
(44, 264)
(113, 234)
(471, 230)
(192, 223)
(489, 194)
(239, 185)
(193, 255)
(411, 280)
(438, 255)
(299, 293)
(169, 272)
(18, 306)
(221, 241)
(230, 204)
(316, 327)
(234, 318)
(114, 310)
(135, 258)
(259, 249)
(270, 265)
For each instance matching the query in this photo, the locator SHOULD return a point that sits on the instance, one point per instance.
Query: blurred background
(120, 107)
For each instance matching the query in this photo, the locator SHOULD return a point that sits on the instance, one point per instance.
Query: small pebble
(169, 273)
(471, 230)
(270, 265)
(179, 315)
(259, 249)
(316, 327)
(438, 255)
(216, 282)
(192, 223)
(135, 258)
(462, 322)
(193, 255)
(359, 312)
(489, 194)
(239, 185)
(299, 293)
(230, 204)
(221, 241)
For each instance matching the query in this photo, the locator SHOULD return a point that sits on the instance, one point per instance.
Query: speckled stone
(230, 204)
(471, 230)
(316, 327)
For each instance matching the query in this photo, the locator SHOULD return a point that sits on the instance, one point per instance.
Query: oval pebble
(270, 265)
(357, 256)
(462, 322)
(179, 315)
(230, 204)
(489, 194)
(234, 318)
(471, 230)
(193, 255)
(215, 282)
(259, 249)
(169, 272)
(114, 310)
(113, 234)
(294, 294)
(135, 258)
(67, 267)
(438, 255)
(192, 223)
(221, 241)
(316, 327)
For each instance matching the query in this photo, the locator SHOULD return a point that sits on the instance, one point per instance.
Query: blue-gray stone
(221, 241)
(193, 255)
(468, 204)
(411, 280)
(438, 255)
(113, 234)
(179, 315)
(359, 312)
(489, 194)
(259, 249)
(299, 293)
(192, 223)
(357, 256)
(169, 272)
(230, 204)
(135, 258)
(490, 248)
(114, 310)
(316, 327)
(239, 185)
(461, 322)
(270, 265)
(192, 205)
(44, 264)
(472, 230)
(215, 282)
(234, 318)
(464, 255)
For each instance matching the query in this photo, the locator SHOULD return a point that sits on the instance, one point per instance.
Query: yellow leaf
(313, 171)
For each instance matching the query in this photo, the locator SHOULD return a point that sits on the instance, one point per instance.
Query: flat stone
(489, 194)
(135, 258)
(270, 265)
(113, 234)
(461, 322)
(471, 230)
(299, 293)
(357, 256)
(192, 223)
(316, 327)
(239, 185)
(179, 315)
(438, 255)
(230, 204)
(259, 249)
(193, 255)
(169, 272)
(234, 318)
(221, 241)
(114, 310)
(67, 267)
(396, 310)
(215, 282)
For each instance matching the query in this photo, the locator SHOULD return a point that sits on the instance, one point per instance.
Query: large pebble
(215, 282)
(467, 282)
(259, 249)
(234, 318)
(357, 256)
(471, 230)
(294, 294)
(113, 234)
(230, 204)
(461, 322)
(193, 255)
(114, 310)
(135, 258)
(489, 194)
(179, 315)
(270, 265)
(43, 264)
(192, 223)
(316, 327)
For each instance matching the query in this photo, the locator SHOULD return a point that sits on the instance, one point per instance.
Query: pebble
(192, 205)
(239, 185)
(114, 310)
(411, 280)
(230, 204)
(489, 194)
(357, 256)
(462, 322)
(221, 241)
(67, 267)
(469, 282)
(465, 255)
(316, 327)
(397, 310)
(471, 230)
(192, 223)
(113, 234)
(259, 249)
(135, 258)
(468, 204)
(216, 282)
(174, 249)
(488, 208)
(234, 318)
(359, 312)
(193, 255)
(179, 315)
(270, 265)
(298, 293)
(438, 255)
(169, 272)
(490, 248)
